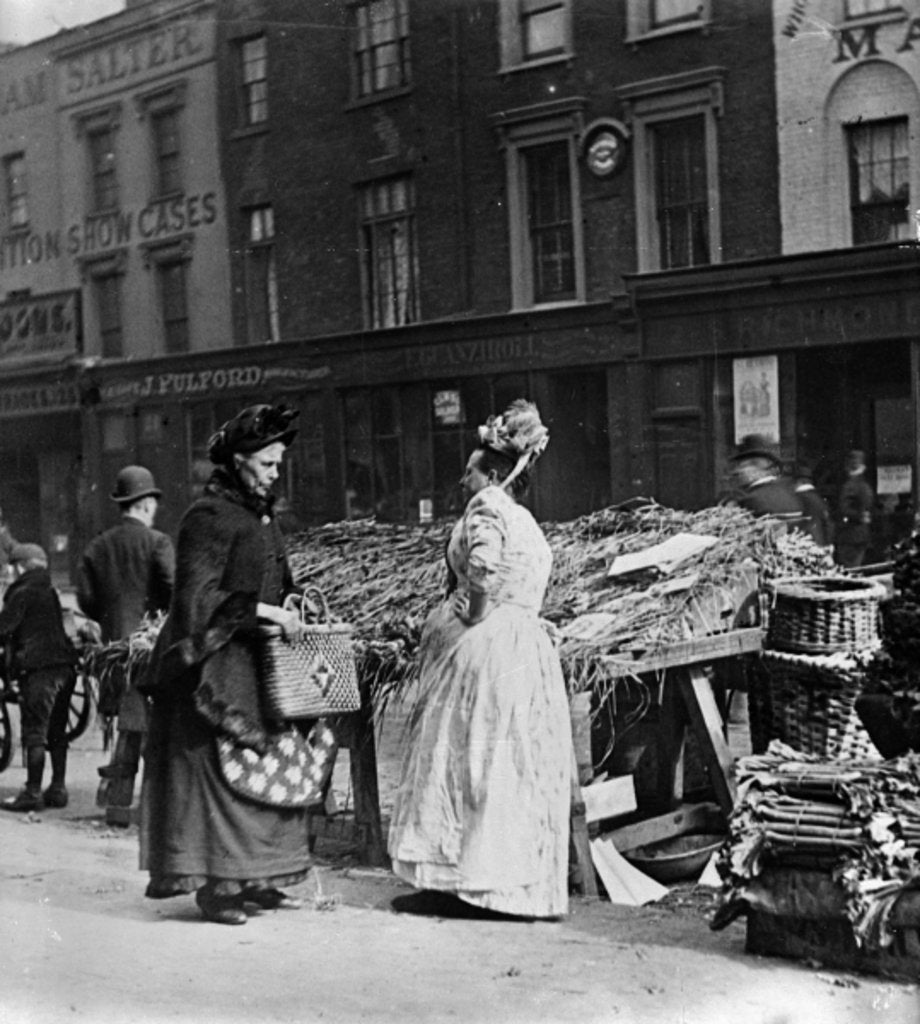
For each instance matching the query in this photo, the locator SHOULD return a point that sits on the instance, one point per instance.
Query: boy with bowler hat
(127, 571)
(41, 658)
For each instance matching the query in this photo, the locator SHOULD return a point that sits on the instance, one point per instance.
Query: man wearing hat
(855, 511)
(127, 571)
(41, 658)
(764, 491)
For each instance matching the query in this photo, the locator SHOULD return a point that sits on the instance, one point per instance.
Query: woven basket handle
(295, 601)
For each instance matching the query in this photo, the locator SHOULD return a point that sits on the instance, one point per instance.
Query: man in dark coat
(127, 571)
(818, 521)
(41, 658)
(763, 489)
(855, 513)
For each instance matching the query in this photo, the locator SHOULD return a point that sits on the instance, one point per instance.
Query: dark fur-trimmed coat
(230, 555)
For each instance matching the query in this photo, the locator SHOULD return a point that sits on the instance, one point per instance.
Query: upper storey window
(17, 190)
(254, 79)
(879, 180)
(103, 172)
(534, 31)
(662, 17)
(382, 57)
(862, 8)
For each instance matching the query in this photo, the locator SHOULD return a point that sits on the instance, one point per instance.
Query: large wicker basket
(823, 614)
(807, 701)
(314, 677)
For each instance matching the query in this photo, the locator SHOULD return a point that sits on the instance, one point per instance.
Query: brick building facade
(424, 209)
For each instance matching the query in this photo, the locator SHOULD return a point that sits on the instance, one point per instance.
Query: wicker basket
(823, 614)
(807, 702)
(314, 677)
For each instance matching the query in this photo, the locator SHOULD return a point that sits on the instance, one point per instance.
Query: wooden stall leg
(362, 748)
(703, 712)
(672, 739)
(583, 877)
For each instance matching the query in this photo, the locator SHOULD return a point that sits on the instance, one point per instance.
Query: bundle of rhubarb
(856, 821)
(384, 579)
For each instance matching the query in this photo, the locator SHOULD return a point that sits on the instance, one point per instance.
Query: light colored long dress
(482, 808)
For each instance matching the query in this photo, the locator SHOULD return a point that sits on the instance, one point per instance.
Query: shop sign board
(39, 327)
(33, 399)
(195, 383)
(755, 386)
(894, 479)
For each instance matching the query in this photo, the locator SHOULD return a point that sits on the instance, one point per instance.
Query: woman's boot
(29, 798)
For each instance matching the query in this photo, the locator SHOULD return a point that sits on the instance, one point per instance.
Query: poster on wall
(894, 479)
(755, 386)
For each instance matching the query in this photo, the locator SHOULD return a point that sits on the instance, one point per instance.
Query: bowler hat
(134, 483)
(251, 430)
(755, 446)
(28, 553)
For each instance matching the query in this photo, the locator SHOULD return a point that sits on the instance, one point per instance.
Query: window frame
(513, 22)
(402, 40)
(16, 195)
(94, 268)
(641, 27)
(162, 256)
(852, 169)
(151, 106)
(265, 247)
(652, 102)
(248, 102)
(87, 126)
(524, 129)
(371, 293)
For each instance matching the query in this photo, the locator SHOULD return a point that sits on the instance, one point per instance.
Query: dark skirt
(195, 829)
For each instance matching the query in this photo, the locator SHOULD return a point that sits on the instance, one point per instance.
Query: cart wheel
(81, 706)
(6, 736)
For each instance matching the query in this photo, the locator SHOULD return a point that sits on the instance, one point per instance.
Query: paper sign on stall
(665, 557)
(624, 883)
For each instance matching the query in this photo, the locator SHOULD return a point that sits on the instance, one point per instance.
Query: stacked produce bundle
(857, 821)
(385, 578)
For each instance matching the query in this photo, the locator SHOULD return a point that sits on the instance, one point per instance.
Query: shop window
(879, 180)
(381, 54)
(262, 318)
(678, 211)
(544, 205)
(17, 190)
(390, 267)
(534, 31)
(253, 56)
(651, 18)
(115, 434)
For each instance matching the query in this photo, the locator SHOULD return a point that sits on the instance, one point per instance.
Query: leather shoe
(56, 796)
(272, 899)
(220, 909)
(25, 800)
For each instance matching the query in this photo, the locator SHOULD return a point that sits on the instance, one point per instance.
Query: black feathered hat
(251, 430)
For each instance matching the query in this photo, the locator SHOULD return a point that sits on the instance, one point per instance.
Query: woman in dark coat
(197, 835)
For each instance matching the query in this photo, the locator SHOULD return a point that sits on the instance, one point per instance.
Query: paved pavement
(80, 943)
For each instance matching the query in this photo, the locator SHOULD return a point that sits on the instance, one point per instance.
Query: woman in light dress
(482, 810)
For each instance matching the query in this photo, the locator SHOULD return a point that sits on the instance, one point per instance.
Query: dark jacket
(126, 572)
(32, 625)
(230, 556)
(818, 524)
(856, 501)
(773, 497)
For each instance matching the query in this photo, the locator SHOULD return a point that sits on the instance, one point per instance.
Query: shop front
(386, 424)
(818, 352)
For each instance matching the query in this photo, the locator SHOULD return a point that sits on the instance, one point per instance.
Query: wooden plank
(687, 652)
(702, 817)
(706, 721)
(356, 732)
(609, 799)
